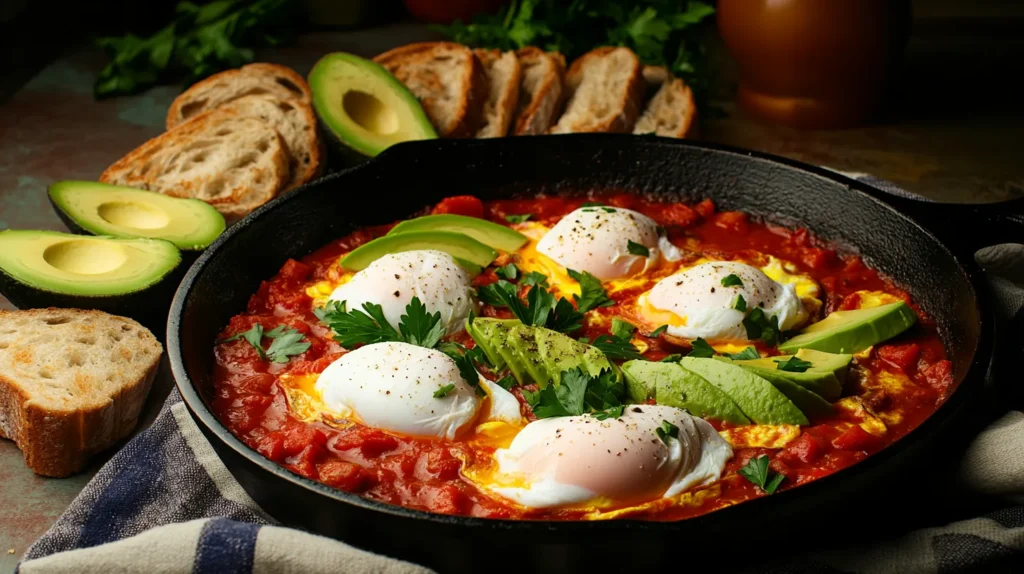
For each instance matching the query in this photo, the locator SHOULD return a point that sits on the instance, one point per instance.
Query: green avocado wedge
(459, 246)
(491, 234)
(824, 377)
(363, 107)
(671, 385)
(759, 400)
(810, 403)
(101, 209)
(853, 331)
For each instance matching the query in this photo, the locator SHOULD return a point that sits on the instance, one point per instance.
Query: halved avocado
(364, 107)
(102, 209)
(457, 245)
(853, 331)
(497, 236)
(757, 398)
(131, 277)
(824, 377)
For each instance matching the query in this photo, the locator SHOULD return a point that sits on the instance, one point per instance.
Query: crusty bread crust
(449, 81)
(627, 98)
(504, 75)
(541, 90)
(671, 111)
(260, 78)
(72, 383)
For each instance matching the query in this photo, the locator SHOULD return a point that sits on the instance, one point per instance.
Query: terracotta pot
(815, 63)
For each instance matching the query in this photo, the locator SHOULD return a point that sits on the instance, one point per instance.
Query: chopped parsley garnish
(701, 349)
(518, 218)
(592, 204)
(287, 342)
(443, 391)
(592, 294)
(622, 329)
(607, 209)
(507, 272)
(657, 332)
(416, 327)
(793, 365)
(507, 382)
(535, 278)
(564, 318)
(673, 358)
(747, 354)
(635, 248)
(540, 308)
(578, 393)
(757, 472)
(731, 280)
(667, 430)
(464, 359)
(760, 327)
(618, 345)
(740, 304)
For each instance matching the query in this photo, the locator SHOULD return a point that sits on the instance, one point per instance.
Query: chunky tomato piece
(817, 258)
(443, 465)
(903, 356)
(705, 208)
(855, 438)
(271, 446)
(295, 271)
(259, 383)
(806, 449)
(734, 221)
(461, 205)
(940, 376)
(377, 443)
(346, 476)
(299, 436)
(850, 302)
(306, 461)
(445, 499)
(677, 214)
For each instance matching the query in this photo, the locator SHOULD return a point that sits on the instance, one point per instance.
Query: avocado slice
(364, 107)
(489, 334)
(672, 385)
(824, 377)
(825, 385)
(853, 331)
(459, 246)
(757, 398)
(101, 209)
(131, 277)
(810, 403)
(491, 234)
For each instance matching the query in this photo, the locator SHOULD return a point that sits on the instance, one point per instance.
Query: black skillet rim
(970, 384)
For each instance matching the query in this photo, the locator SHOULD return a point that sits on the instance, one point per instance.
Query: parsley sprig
(540, 308)
(618, 345)
(757, 472)
(635, 248)
(747, 354)
(793, 365)
(466, 360)
(592, 294)
(760, 327)
(287, 342)
(578, 393)
(368, 326)
(666, 431)
(701, 349)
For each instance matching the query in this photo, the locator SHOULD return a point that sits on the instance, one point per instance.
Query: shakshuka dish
(576, 358)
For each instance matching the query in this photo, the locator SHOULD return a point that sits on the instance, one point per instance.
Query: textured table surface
(52, 129)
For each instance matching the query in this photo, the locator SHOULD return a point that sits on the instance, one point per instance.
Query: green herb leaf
(419, 327)
(518, 218)
(667, 430)
(793, 365)
(564, 318)
(615, 348)
(287, 342)
(760, 327)
(607, 209)
(635, 248)
(356, 327)
(507, 272)
(464, 361)
(535, 278)
(254, 336)
(592, 294)
(577, 393)
(507, 382)
(609, 413)
(740, 304)
(622, 329)
(443, 391)
(657, 332)
(701, 349)
(747, 354)
(757, 472)
(732, 280)
(592, 204)
(673, 358)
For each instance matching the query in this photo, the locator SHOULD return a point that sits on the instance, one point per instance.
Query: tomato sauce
(895, 388)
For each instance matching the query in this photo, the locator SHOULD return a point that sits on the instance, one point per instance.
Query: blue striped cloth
(166, 503)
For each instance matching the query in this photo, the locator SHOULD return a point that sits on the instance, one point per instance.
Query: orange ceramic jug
(815, 63)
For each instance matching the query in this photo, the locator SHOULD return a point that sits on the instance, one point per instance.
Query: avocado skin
(148, 306)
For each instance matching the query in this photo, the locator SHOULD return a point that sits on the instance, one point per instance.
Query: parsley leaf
(507, 382)
(657, 332)
(564, 318)
(760, 327)
(701, 349)
(673, 358)
(635, 248)
(354, 327)
(667, 430)
(592, 294)
(622, 329)
(287, 342)
(507, 272)
(540, 308)
(540, 302)
(592, 204)
(518, 218)
(254, 336)
(419, 327)
(443, 391)
(535, 278)
(758, 473)
(577, 393)
(464, 361)
(793, 365)
(607, 209)
(615, 348)
(747, 354)
(740, 304)
(732, 280)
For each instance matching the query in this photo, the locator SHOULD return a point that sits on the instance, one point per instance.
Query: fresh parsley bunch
(578, 393)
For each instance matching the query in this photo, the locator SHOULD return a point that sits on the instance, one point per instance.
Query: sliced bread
(295, 121)
(251, 80)
(72, 383)
(540, 92)
(503, 76)
(233, 162)
(605, 91)
(671, 112)
(448, 80)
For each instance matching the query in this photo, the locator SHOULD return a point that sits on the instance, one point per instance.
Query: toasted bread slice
(671, 111)
(448, 80)
(605, 92)
(540, 92)
(72, 383)
(233, 162)
(251, 80)
(295, 121)
(503, 76)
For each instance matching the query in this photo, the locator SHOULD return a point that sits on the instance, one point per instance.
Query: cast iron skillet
(939, 273)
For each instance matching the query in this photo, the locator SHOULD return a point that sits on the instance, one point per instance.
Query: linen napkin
(166, 503)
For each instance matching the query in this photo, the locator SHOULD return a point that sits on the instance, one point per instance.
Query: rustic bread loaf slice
(295, 121)
(251, 80)
(671, 112)
(72, 383)
(540, 92)
(605, 92)
(503, 76)
(448, 80)
(233, 162)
